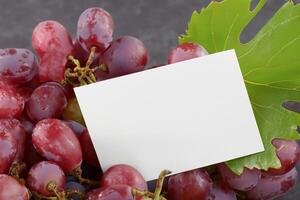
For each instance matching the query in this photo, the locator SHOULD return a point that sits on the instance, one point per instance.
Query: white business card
(179, 117)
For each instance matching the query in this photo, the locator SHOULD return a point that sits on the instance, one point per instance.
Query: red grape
(246, 181)
(79, 53)
(288, 154)
(124, 56)
(27, 125)
(16, 130)
(51, 36)
(95, 28)
(55, 141)
(11, 189)
(46, 101)
(31, 156)
(53, 44)
(11, 102)
(25, 92)
(191, 185)
(88, 150)
(221, 191)
(271, 187)
(74, 186)
(114, 192)
(186, 51)
(17, 66)
(41, 174)
(8, 152)
(123, 174)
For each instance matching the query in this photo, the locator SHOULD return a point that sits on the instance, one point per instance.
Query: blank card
(179, 117)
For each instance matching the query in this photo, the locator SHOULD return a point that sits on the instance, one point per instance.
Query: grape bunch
(45, 149)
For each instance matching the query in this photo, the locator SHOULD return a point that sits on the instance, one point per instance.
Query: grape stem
(78, 174)
(83, 75)
(71, 192)
(16, 170)
(146, 195)
(52, 187)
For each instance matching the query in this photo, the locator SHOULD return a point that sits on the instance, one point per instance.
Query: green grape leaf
(270, 64)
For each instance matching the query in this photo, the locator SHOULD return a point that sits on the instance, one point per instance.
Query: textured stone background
(156, 22)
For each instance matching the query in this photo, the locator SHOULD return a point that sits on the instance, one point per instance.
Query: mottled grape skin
(288, 153)
(53, 44)
(11, 102)
(221, 191)
(245, 182)
(11, 189)
(41, 174)
(8, 151)
(125, 55)
(189, 185)
(272, 187)
(88, 150)
(186, 51)
(46, 101)
(50, 35)
(114, 192)
(55, 141)
(124, 175)
(95, 28)
(16, 130)
(17, 66)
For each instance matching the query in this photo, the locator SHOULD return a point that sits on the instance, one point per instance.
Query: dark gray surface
(157, 22)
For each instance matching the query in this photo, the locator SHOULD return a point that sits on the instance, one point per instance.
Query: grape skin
(8, 152)
(17, 66)
(41, 174)
(11, 189)
(124, 175)
(114, 192)
(55, 141)
(221, 191)
(125, 55)
(186, 51)
(95, 29)
(245, 182)
(46, 101)
(271, 187)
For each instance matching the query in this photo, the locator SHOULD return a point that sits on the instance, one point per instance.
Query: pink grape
(288, 153)
(53, 44)
(16, 130)
(11, 189)
(125, 55)
(271, 187)
(246, 181)
(123, 175)
(46, 101)
(186, 51)
(17, 66)
(8, 152)
(11, 102)
(49, 36)
(191, 185)
(114, 192)
(95, 29)
(55, 141)
(41, 174)
(221, 191)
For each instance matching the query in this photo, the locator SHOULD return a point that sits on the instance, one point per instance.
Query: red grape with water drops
(186, 51)
(55, 141)
(95, 29)
(123, 174)
(17, 66)
(11, 189)
(42, 175)
(11, 102)
(46, 101)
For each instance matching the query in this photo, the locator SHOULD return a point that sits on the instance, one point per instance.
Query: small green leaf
(270, 64)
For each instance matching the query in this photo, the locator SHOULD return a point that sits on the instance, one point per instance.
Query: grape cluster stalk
(45, 148)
